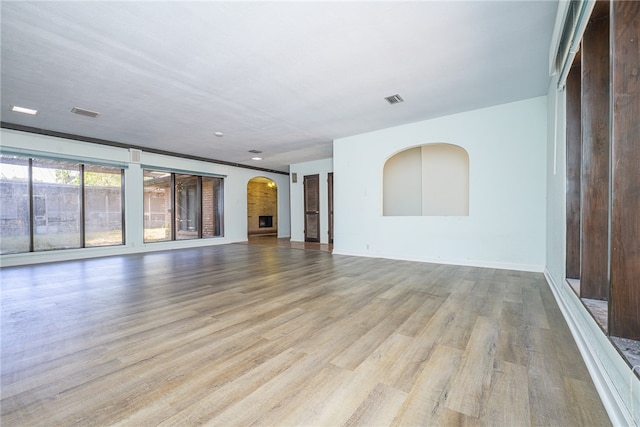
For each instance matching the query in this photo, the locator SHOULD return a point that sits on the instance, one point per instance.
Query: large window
(103, 205)
(212, 211)
(56, 197)
(179, 206)
(157, 206)
(187, 207)
(56, 204)
(15, 211)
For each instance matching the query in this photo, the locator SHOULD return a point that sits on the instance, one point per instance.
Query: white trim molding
(617, 385)
(437, 260)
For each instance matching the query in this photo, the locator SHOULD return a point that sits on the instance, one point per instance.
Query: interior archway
(262, 207)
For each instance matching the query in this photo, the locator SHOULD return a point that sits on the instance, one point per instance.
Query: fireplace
(265, 221)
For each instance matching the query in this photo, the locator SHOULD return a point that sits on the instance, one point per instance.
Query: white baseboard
(28, 258)
(605, 365)
(434, 260)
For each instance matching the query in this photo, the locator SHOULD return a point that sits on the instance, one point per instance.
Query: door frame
(308, 212)
(330, 208)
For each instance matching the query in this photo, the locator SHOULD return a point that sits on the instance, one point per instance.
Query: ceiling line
(39, 131)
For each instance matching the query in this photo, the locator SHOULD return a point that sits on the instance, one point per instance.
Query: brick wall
(262, 200)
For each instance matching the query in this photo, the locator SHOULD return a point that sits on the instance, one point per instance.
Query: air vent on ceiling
(255, 151)
(83, 112)
(394, 99)
(135, 156)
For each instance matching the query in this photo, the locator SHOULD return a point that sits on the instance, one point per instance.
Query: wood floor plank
(580, 394)
(211, 405)
(345, 399)
(470, 387)
(511, 339)
(271, 394)
(302, 407)
(379, 407)
(429, 394)
(534, 311)
(459, 331)
(365, 345)
(508, 400)
(548, 400)
(403, 375)
(421, 316)
(250, 335)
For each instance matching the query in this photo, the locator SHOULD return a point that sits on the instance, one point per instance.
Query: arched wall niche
(427, 180)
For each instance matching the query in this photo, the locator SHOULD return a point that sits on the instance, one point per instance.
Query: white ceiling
(286, 78)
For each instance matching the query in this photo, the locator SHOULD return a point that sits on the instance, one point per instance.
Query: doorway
(330, 191)
(312, 208)
(262, 207)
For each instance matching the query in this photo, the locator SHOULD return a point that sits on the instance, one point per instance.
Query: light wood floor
(272, 240)
(257, 335)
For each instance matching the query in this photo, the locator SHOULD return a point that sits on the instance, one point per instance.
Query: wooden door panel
(312, 208)
(330, 191)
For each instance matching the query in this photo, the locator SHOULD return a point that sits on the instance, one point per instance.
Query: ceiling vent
(394, 99)
(83, 112)
(255, 151)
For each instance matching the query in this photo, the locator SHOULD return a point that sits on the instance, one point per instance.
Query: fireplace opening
(265, 221)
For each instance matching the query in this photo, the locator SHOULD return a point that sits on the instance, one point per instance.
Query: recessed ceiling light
(394, 99)
(219, 134)
(23, 110)
(256, 158)
(83, 112)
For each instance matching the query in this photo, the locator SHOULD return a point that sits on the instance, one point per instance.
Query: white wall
(321, 167)
(445, 180)
(506, 223)
(402, 184)
(235, 195)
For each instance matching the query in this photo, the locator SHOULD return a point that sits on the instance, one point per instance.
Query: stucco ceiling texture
(285, 78)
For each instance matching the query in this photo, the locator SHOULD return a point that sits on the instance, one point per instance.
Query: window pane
(14, 206)
(211, 207)
(187, 207)
(157, 206)
(56, 204)
(102, 205)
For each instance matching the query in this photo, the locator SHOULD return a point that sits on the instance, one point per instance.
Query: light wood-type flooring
(269, 336)
(272, 240)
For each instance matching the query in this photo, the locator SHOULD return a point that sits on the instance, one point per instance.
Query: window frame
(31, 196)
(199, 215)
